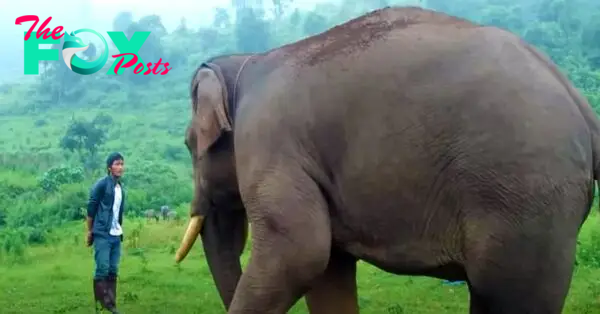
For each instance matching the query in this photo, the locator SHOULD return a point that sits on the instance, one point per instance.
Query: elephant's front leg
(291, 242)
(334, 292)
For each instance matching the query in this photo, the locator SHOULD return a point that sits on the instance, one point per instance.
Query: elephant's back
(361, 33)
(480, 98)
(451, 122)
(431, 86)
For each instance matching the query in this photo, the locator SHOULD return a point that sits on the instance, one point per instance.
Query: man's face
(117, 168)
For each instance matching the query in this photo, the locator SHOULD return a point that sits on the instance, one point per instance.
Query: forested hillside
(56, 131)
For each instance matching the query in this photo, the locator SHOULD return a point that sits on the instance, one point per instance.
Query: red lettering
(128, 64)
(156, 65)
(166, 69)
(56, 31)
(28, 18)
(42, 30)
(149, 65)
(138, 68)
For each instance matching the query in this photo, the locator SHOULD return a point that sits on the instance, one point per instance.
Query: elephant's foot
(291, 242)
(335, 290)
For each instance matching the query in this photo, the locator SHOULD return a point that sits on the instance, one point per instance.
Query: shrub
(52, 179)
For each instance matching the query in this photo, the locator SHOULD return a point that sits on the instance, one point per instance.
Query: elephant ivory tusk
(189, 238)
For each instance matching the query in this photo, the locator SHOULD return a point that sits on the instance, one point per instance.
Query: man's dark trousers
(107, 252)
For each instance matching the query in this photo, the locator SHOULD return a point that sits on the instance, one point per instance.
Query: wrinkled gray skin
(415, 141)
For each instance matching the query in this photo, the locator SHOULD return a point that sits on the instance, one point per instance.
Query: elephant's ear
(209, 115)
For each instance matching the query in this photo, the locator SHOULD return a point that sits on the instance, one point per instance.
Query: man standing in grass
(104, 221)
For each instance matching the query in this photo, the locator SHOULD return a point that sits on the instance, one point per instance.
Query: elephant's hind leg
(291, 241)
(527, 274)
(334, 292)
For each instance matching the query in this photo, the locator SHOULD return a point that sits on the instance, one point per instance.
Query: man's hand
(89, 238)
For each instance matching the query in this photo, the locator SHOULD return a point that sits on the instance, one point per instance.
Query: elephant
(172, 215)
(412, 140)
(164, 210)
(151, 214)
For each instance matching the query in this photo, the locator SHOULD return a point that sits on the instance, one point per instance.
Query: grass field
(56, 278)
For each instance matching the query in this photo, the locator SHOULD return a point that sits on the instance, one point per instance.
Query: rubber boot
(103, 295)
(112, 289)
(97, 296)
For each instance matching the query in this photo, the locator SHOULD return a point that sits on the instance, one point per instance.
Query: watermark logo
(74, 44)
(128, 50)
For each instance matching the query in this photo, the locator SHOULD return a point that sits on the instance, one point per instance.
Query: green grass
(56, 278)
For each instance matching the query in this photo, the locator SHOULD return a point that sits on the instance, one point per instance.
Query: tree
(122, 21)
(84, 138)
(251, 30)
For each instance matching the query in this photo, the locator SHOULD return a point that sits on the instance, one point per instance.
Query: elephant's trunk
(223, 237)
(224, 234)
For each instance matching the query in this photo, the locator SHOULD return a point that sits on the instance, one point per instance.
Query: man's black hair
(112, 158)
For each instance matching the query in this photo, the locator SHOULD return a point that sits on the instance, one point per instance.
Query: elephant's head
(217, 212)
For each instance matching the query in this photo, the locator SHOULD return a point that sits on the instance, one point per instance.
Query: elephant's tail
(596, 159)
